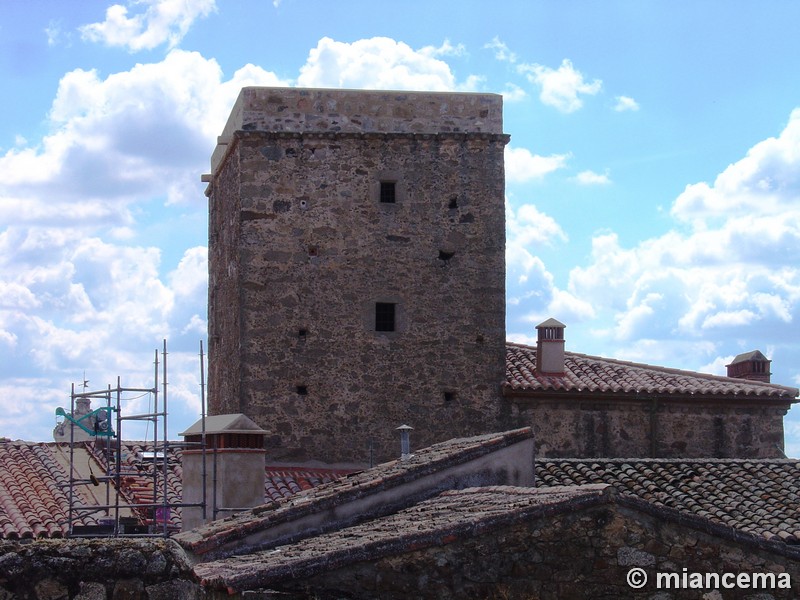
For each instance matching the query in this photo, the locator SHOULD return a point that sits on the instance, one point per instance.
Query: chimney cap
(232, 423)
(748, 357)
(551, 322)
(404, 428)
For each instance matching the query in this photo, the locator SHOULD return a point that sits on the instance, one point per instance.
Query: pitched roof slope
(34, 500)
(239, 531)
(593, 374)
(34, 487)
(440, 520)
(758, 497)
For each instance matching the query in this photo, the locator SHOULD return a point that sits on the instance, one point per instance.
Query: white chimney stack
(550, 348)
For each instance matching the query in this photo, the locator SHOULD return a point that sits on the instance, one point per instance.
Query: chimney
(550, 348)
(750, 365)
(225, 477)
(405, 441)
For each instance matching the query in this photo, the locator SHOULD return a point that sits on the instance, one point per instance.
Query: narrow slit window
(388, 192)
(385, 316)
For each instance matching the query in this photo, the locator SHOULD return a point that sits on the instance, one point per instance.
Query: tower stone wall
(357, 276)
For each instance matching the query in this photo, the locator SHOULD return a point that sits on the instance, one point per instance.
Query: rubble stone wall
(572, 428)
(302, 249)
(96, 569)
(582, 554)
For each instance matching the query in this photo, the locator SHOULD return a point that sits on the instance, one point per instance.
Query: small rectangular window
(388, 189)
(384, 316)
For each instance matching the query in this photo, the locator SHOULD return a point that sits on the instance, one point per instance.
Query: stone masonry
(328, 208)
(509, 542)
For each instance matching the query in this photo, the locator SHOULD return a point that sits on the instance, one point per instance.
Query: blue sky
(653, 174)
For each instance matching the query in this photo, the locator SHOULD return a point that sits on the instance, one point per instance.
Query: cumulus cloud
(626, 103)
(78, 288)
(592, 178)
(765, 182)
(527, 225)
(84, 283)
(163, 21)
(513, 93)
(522, 165)
(501, 50)
(446, 49)
(380, 63)
(732, 275)
(561, 88)
(532, 287)
(118, 140)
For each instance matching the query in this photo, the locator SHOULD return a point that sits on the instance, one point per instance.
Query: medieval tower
(357, 269)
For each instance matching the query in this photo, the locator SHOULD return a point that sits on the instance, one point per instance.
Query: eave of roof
(391, 475)
(596, 377)
(451, 515)
(757, 497)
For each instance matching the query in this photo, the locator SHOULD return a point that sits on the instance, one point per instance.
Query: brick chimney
(550, 348)
(231, 468)
(750, 365)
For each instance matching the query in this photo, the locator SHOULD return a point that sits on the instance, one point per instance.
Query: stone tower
(356, 269)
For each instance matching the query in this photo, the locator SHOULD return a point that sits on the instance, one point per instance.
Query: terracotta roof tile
(442, 519)
(33, 492)
(34, 486)
(585, 373)
(759, 497)
(345, 489)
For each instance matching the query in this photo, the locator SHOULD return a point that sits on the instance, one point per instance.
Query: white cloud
(379, 63)
(446, 49)
(592, 178)
(765, 182)
(118, 140)
(528, 225)
(191, 276)
(513, 93)
(501, 50)
(522, 165)
(77, 290)
(164, 21)
(53, 33)
(626, 103)
(532, 289)
(561, 88)
(732, 278)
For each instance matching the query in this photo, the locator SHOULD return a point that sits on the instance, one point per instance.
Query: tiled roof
(593, 374)
(439, 520)
(34, 486)
(139, 477)
(354, 486)
(34, 492)
(758, 497)
(285, 482)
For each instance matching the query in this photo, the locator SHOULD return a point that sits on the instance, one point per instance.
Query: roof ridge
(665, 460)
(668, 370)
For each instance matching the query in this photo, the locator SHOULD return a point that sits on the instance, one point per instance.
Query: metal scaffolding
(105, 426)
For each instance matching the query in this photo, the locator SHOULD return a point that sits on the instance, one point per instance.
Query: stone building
(589, 406)
(357, 283)
(357, 268)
